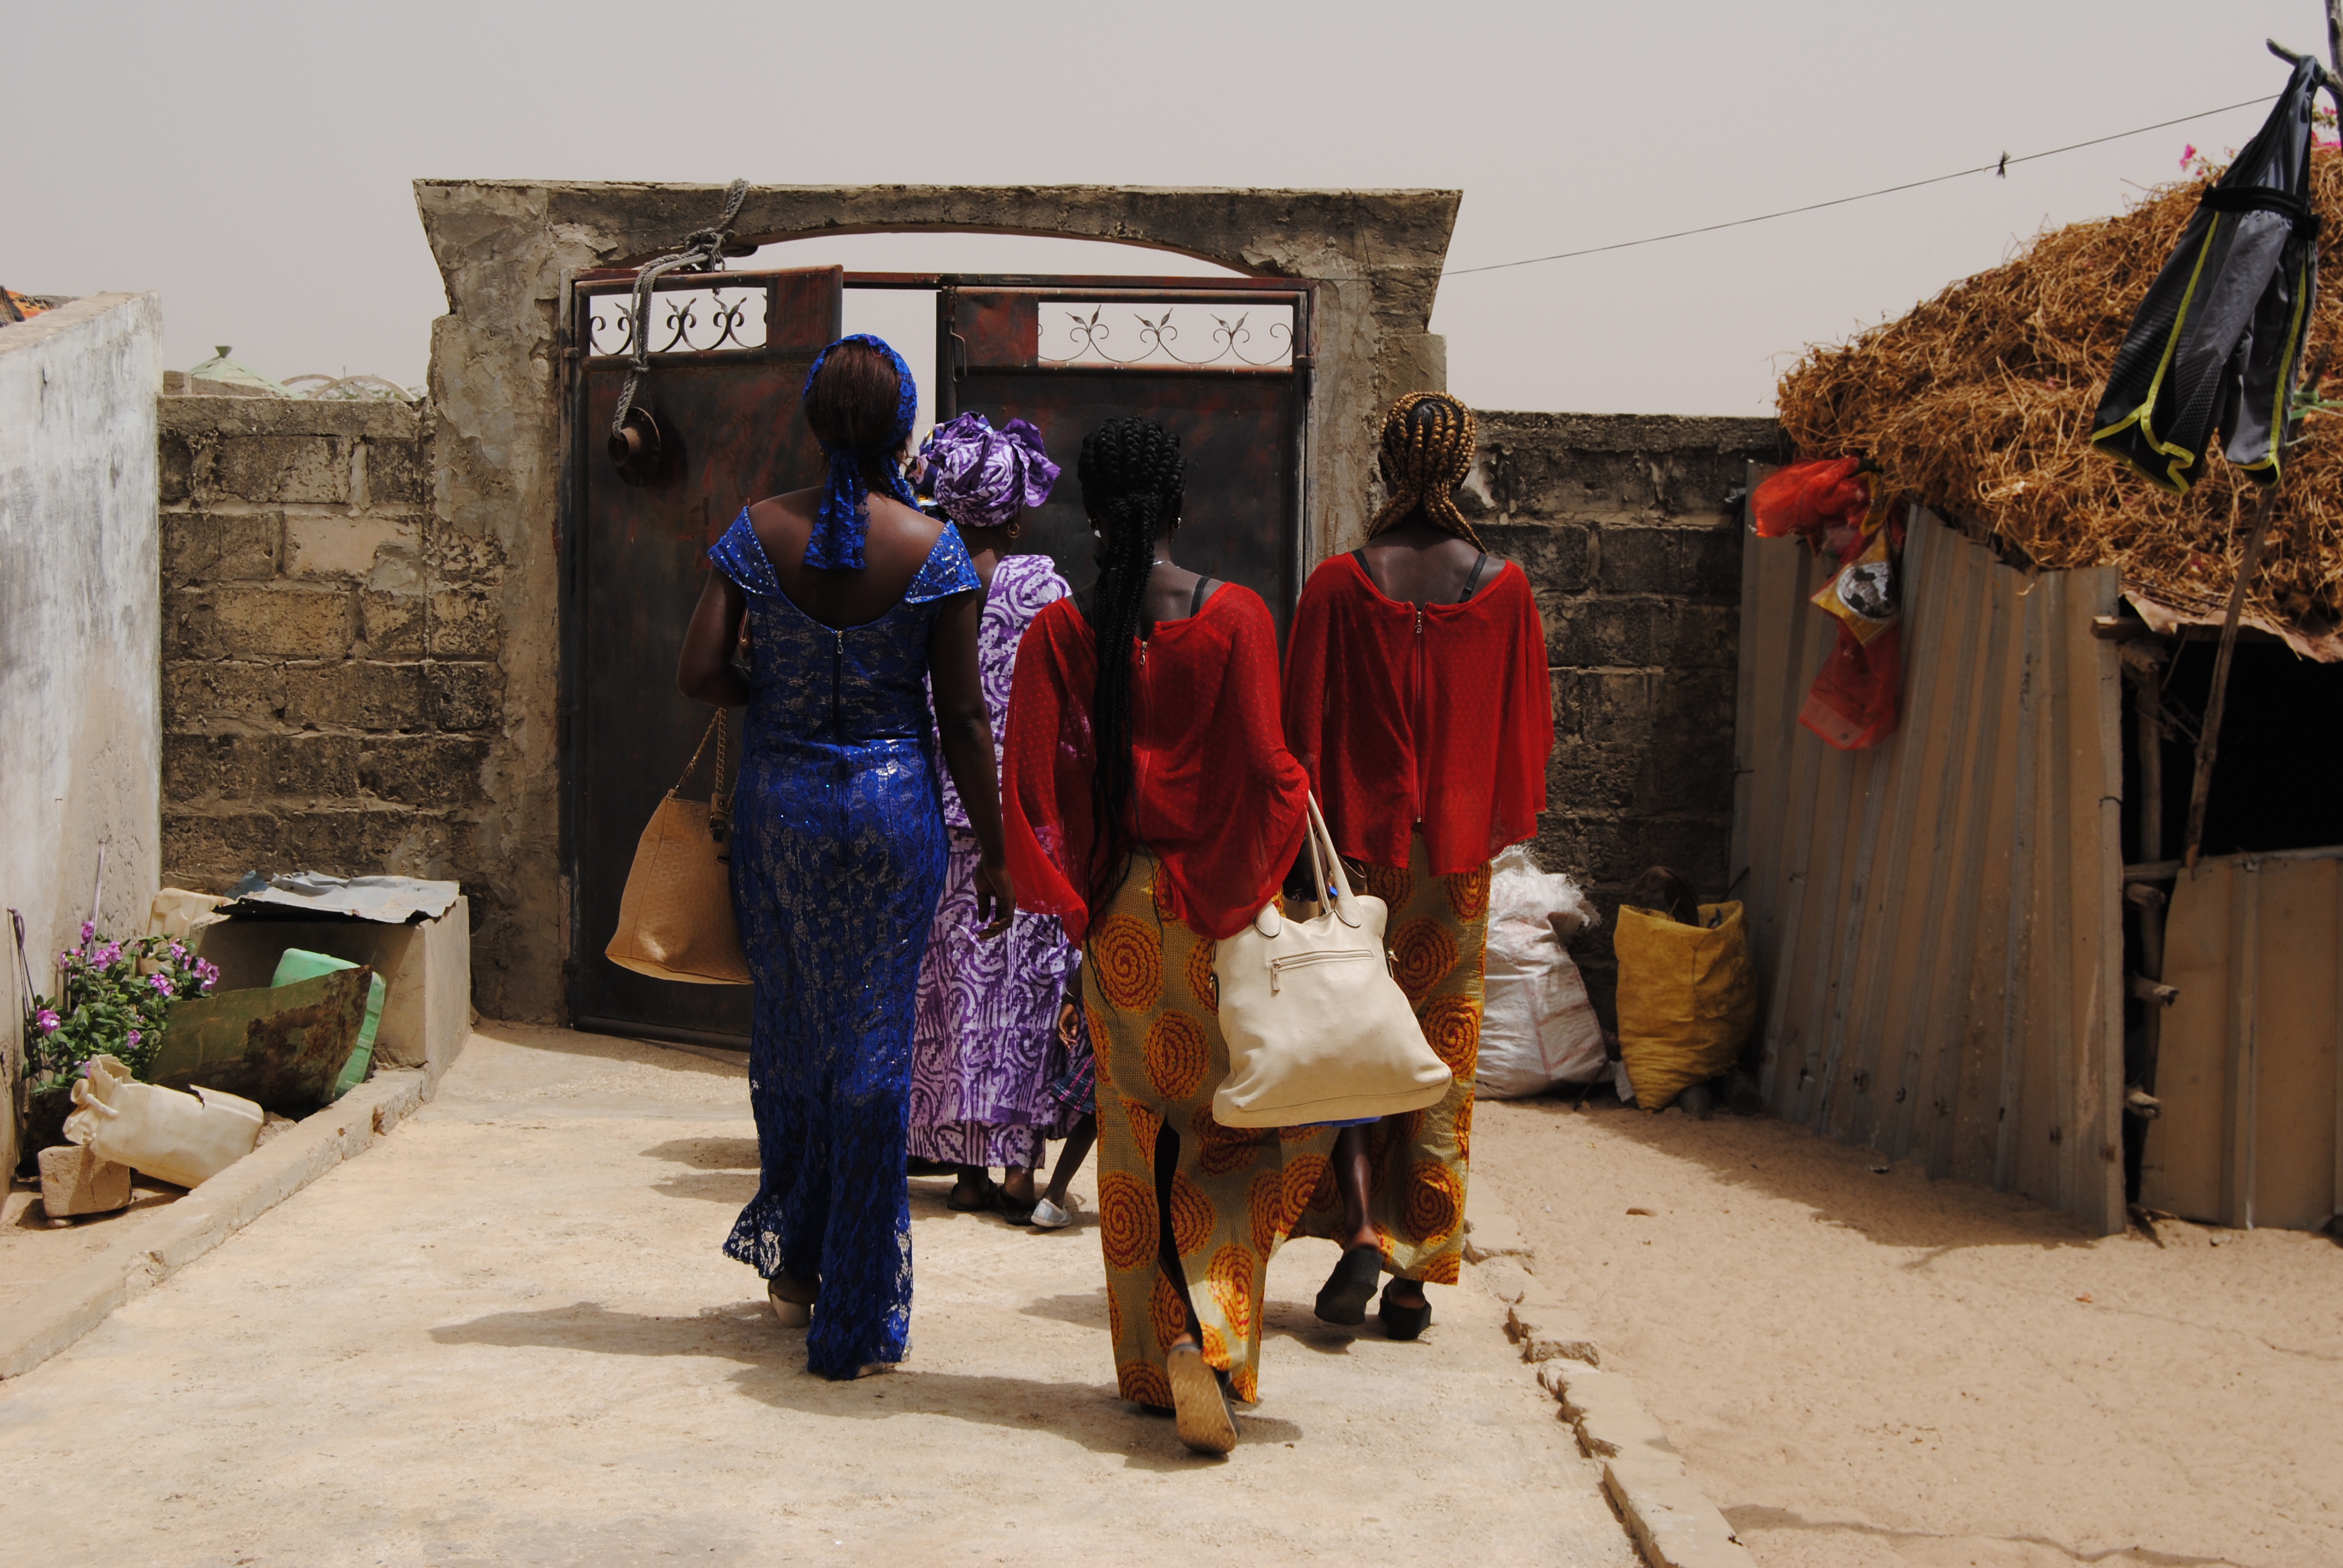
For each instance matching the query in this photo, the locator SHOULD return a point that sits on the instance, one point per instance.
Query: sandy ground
(34, 1249)
(1871, 1371)
(507, 1334)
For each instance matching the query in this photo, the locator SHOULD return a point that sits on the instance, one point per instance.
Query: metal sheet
(1937, 921)
(2252, 1130)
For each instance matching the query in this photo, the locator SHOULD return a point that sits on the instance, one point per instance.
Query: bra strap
(1203, 590)
(1472, 583)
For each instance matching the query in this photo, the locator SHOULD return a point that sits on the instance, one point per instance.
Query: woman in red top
(1416, 695)
(1151, 806)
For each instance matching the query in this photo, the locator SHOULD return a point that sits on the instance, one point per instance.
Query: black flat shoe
(1402, 1322)
(1344, 1298)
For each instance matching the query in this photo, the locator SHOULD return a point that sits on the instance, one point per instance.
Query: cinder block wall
(1625, 525)
(330, 679)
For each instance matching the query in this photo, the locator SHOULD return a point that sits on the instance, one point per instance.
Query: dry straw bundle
(1979, 404)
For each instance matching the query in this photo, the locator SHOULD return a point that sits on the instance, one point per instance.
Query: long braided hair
(1132, 477)
(1427, 450)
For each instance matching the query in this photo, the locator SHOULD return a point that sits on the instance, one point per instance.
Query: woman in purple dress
(985, 1046)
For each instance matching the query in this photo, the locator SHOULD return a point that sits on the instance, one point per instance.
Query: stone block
(1688, 774)
(277, 619)
(1492, 1234)
(1698, 636)
(303, 469)
(465, 696)
(316, 767)
(1594, 778)
(1637, 560)
(333, 838)
(424, 770)
(355, 694)
(454, 556)
(1608, 632)
(1673, 1524)
(1708, 561)
(1505, 1278)
(464, 622)
(1548, 1328)
(75, 1180)
(397, 472)
(347, 545)
(175, 468)
(192, 764)
(391, 624)
(207, 851)
(221, 547)
(200, 694)
(1558, 558)
(406, 842)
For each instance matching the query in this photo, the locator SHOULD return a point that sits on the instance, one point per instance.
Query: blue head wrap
(843, 521)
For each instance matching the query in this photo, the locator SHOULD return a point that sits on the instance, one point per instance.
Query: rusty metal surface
(1937, 921)
(634, 562)
(1242, 431)
(2252, 1130)
(280, 1046)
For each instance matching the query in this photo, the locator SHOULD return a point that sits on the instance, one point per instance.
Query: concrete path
(507, 1334)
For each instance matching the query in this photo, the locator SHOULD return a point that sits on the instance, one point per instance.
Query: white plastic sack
(1537, 1027)
(186, 1138)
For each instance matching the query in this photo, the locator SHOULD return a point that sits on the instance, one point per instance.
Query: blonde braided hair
(1427, 450)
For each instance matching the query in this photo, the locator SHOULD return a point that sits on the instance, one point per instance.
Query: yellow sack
(1687, 998)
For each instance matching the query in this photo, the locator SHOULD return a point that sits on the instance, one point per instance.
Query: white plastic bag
(1537, 1027)
(186, 1138)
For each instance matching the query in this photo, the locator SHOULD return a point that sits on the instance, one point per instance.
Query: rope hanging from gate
(703, 251)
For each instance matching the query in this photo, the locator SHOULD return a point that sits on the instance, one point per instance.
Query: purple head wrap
(844, 522)
(980, 476)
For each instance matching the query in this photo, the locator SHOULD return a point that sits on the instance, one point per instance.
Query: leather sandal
(1404, 1322)
(1344, 1298)
(1200, 1406)
(988, 1196)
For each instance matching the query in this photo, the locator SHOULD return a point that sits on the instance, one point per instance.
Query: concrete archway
(505, 248)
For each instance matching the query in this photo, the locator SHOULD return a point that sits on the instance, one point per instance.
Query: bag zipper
(1303, 961)
(1415, 718)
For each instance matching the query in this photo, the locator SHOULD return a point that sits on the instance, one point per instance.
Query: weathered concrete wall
(1623, 524)
(331, 675)
(78, 625)
(499, 370)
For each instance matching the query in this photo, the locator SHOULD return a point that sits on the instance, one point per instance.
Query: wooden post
(2208, 740)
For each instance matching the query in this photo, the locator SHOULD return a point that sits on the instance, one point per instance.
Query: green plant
(112, 998)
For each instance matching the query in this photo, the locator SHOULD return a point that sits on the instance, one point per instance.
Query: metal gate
(1226, 367)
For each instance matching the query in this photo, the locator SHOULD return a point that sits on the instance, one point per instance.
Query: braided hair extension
(1427, 450)
(1132, 477)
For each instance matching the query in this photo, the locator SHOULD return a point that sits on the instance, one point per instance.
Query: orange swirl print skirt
(1438, 936)
(1229, 1196)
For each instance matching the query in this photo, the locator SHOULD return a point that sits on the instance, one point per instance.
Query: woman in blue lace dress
(856, 602)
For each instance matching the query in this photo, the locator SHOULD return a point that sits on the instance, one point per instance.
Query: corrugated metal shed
(1939, 921)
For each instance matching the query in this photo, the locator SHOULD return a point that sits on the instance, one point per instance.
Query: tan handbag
(675, 919)
(1318, 1030)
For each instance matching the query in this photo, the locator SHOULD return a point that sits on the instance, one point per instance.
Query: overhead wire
(2000, 165)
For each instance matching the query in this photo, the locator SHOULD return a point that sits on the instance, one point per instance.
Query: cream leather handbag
(1318, 1030)
(675, 917)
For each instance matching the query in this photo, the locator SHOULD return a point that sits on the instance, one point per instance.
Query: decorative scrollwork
(696, 320)
(1089, 339)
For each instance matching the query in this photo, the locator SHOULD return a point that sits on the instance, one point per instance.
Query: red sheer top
(1442, 715)
(1215, 795)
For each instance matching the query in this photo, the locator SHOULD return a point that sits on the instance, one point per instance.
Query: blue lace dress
(837, 858)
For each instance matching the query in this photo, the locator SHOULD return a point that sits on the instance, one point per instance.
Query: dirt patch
(1875, 1370)
(34, 1249)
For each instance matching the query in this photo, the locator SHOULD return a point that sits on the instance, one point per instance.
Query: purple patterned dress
(984, 1042)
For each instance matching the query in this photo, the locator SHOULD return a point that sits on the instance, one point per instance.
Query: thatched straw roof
(1979, 404)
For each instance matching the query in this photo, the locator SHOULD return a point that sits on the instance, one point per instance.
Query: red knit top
(1441, 715)
(1215, 795)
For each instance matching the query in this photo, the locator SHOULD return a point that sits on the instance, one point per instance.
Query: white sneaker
(1048, 1216)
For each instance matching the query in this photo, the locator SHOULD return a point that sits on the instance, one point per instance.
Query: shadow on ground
(1842, 1184)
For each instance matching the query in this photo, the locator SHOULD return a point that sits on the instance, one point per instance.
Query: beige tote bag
(675, 919)
(1318, 1030)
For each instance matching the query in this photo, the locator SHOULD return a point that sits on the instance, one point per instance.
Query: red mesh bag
(1852, 703)
(1805, 500)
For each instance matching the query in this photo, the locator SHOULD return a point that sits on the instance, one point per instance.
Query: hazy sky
(251, 161)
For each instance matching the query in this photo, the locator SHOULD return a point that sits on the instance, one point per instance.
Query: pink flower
(133, 1038)
(207, 973)
(87, 931)
(48, 1020)
(2187, 154)
(178, 952)
(160, 983)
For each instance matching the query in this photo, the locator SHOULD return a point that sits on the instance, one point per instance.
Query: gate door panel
(729, 351)
(1226, 368)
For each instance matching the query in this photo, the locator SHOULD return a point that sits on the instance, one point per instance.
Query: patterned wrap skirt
(1439, 940)
(1183, 1199)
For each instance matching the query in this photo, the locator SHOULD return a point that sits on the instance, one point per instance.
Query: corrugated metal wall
(1939, 921)
(2252, 1130)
